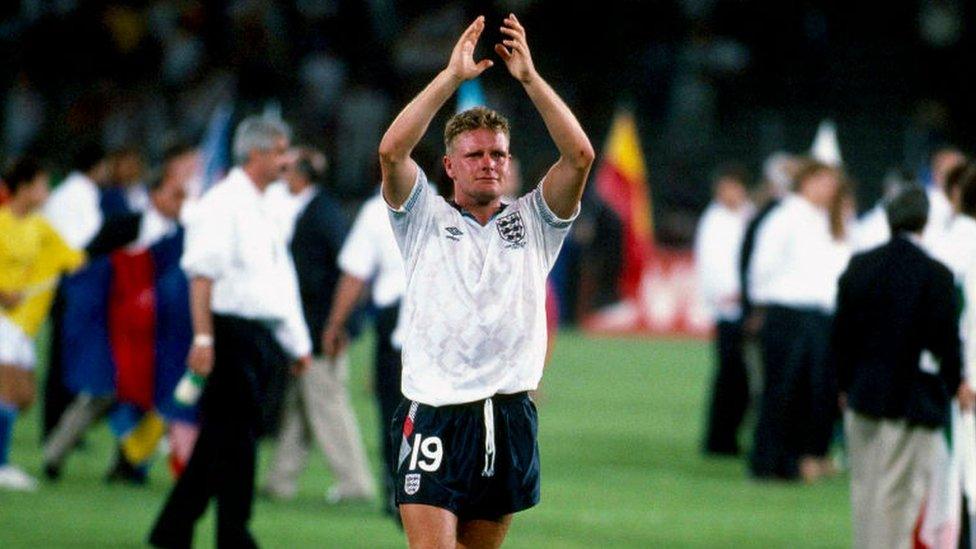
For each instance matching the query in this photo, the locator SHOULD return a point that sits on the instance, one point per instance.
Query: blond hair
(474, 119)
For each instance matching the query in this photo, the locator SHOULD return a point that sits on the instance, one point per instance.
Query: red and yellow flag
(621, 181)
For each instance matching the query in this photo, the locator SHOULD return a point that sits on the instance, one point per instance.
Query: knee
(26, 398)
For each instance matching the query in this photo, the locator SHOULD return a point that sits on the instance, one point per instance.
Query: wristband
(203, 340)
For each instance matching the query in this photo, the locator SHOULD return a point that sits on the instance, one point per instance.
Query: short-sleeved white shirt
(474, 315)
(73, 210)
(234, 239)
(370, 252)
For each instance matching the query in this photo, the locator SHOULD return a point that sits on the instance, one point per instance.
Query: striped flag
(621, 181)
(112, 354)
(214, 149)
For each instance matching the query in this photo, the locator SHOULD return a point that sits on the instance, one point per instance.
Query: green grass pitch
(620, 422)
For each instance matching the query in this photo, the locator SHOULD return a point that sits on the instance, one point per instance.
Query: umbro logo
(453, 233)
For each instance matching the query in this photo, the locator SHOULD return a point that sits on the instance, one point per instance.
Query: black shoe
(124, 472)
(52, 472)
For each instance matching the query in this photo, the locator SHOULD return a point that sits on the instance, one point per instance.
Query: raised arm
(399, 170)
(563, 185)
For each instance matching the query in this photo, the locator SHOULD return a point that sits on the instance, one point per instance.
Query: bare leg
(429, 527)
(17, 386)
(483, 534)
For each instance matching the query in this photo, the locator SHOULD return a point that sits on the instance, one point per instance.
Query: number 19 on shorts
(426, 453)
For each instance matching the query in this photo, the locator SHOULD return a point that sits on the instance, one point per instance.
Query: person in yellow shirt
(32, 257)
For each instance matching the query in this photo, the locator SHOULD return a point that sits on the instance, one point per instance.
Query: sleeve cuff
(206, 269)
(419, 184)
(548, 215)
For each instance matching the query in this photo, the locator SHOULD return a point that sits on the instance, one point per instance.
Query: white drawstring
(489, 470)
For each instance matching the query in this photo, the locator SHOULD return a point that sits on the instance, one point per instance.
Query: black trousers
(730, 391)
(388, 393)
(234, 410)
(57, 397)
(799, 399)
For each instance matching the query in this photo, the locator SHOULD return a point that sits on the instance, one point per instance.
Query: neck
(481, 212)
(912, 236)
(813, 201)
(253, 175)
(296, 190)
(19, 206)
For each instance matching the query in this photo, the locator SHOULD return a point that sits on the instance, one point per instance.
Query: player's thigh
(483, 534)
(17, 386)
(27, 388)
(8, 384)
(429, 527)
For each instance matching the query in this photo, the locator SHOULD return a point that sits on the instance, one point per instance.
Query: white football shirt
(474, 315)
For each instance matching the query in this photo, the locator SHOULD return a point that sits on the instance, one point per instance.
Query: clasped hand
(513, 50)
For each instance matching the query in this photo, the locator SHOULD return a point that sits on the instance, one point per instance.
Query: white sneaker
(338, 496)
(13, 478)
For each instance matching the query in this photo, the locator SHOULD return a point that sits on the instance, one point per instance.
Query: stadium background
(708, 81)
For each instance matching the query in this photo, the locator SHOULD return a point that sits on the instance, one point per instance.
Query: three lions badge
(512, 230)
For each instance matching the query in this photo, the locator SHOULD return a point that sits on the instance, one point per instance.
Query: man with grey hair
(247, 319)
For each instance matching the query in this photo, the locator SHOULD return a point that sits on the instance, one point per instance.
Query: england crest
(511, 228)
(411, 483)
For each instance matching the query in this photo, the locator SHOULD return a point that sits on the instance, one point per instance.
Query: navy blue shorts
(479, 460)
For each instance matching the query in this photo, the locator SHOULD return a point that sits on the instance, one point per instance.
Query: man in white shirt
(247, 319)
(474, 305)
(370, 256)
(718, 242)
(800, 252)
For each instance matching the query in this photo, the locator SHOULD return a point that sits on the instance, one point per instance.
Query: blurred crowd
(805, 337)
(708, 80)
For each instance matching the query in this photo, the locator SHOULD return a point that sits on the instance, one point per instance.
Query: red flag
(132, 326)
(621, 182)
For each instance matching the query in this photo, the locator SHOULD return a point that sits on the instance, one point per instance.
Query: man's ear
(448, 167)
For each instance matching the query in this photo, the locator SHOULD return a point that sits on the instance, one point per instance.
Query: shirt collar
(914, 238)
(239, 178)
(800, 202)
(466, 213)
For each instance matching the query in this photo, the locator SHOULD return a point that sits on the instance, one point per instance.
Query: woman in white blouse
(801, 251)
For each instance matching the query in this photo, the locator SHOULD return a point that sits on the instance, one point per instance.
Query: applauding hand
(462, 64)
(515, 51)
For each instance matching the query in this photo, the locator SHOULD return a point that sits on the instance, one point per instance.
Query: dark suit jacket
(116, 231)
(315, 244)
(745, 255)
(893, 303)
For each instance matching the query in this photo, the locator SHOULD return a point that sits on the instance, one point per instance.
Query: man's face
(127, 169)
(821, 187)
(478, 163)
(270, 164)
(169, 197)
(37, 191)
(943, 163)
(184, 166)
(294, 177)
(731, 193)
(101, 173)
